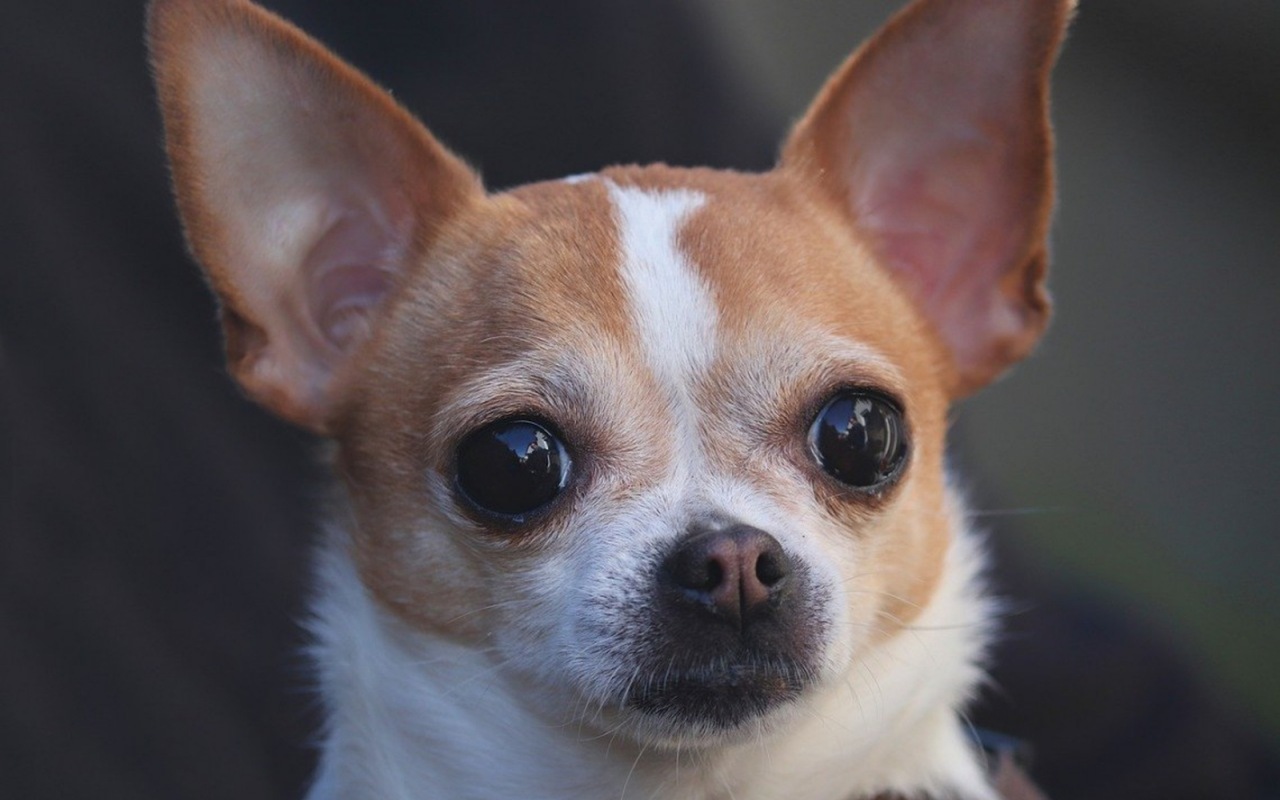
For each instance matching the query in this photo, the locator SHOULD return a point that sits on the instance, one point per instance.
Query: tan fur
(524, 278)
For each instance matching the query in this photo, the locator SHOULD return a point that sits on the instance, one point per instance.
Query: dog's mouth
(719, 697)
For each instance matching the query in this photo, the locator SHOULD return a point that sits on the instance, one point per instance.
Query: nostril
(696, 568)
(769, 569)
(712, 576)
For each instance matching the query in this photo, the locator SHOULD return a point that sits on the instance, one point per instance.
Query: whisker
(632, 771)
(1014, 512)
(482, 609)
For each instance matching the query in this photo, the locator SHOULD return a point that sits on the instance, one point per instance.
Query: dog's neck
(416, 716)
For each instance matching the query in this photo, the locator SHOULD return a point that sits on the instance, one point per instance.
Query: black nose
(735, 573)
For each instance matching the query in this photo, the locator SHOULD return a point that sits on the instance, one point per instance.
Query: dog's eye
(859, 439)
(512, 467)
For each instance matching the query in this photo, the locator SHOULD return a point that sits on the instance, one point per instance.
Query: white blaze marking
(671, 305)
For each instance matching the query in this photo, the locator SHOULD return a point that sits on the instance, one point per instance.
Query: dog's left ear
(934, 140)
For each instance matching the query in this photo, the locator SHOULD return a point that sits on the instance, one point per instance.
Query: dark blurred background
(154, 526)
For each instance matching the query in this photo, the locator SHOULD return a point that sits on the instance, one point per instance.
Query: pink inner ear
(349, 273)
(951, 228)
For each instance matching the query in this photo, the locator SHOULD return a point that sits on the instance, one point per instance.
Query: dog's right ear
(306, 193)
(933, 142)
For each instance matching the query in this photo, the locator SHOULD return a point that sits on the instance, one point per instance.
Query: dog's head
(667, 443)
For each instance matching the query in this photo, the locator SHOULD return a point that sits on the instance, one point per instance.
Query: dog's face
(667, 444)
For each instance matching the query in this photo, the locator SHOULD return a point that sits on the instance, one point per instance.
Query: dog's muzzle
(732, 635)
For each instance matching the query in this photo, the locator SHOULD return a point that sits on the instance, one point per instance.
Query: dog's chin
(713, 704)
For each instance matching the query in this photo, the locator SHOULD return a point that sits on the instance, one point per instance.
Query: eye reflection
(858, 438)
(511, 467)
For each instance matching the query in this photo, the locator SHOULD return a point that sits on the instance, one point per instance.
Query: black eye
(859, 439)
(512, 467)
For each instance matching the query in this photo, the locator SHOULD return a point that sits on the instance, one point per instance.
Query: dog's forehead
(691, 263)
(648, 278)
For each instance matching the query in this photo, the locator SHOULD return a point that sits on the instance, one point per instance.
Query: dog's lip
(722, 696)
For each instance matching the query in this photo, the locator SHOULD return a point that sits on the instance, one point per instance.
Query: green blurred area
(1229, 637)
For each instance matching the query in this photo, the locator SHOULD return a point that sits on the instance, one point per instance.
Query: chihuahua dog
(641, 480)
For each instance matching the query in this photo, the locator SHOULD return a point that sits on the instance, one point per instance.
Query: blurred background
(154, 526)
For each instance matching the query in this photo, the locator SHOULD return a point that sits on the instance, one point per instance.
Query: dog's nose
(733, 573)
